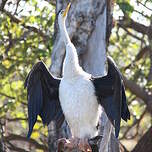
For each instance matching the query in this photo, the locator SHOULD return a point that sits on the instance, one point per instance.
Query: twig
(144, 5)
(8, 96)
(128, 32)
(137, 122)
(146, 16)
(17, 4)
(140, 55)
(31, 28)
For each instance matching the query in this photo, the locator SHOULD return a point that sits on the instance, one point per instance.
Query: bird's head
(63, 15)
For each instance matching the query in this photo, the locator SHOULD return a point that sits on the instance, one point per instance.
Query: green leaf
(126, 7)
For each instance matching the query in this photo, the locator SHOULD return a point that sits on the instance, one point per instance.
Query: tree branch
(144, 143)
(139, 92)
(144, 5)
(127, 22)
(131, 34)
(31, 28)
(15, 148)
(140, 55)
(8, 96)
(18, 119)
(136, 122)
(52, 2)
(2, 5)
(12, 137)
(142, 52)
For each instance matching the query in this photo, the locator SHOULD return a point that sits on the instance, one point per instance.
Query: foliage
(25, 38)
(130, 47)
(26, 33)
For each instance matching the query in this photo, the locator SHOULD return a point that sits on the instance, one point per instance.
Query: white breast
(79, 106)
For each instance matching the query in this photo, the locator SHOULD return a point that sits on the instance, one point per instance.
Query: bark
(145, 143)
(87, 25)
(2, 148)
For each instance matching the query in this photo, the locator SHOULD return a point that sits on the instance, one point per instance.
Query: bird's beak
(67, 9)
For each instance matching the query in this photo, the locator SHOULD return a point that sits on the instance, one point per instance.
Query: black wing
(43, 98)
(111, 95)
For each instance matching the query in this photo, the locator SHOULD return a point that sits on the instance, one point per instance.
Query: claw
(61, 143)
(69, 144)
(72, 143)
(84, 145)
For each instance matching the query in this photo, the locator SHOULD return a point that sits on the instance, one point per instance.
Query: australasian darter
(77, 96)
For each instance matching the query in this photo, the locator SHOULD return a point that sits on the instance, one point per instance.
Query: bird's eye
(62, 11)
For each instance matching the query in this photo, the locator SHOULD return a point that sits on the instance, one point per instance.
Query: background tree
(26, 35)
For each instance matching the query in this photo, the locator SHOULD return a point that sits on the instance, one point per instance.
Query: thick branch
(131, 34)
(145, 143)
(139, 92)
(129, 23)
(15, 148)
(12, 137)
(18, 119)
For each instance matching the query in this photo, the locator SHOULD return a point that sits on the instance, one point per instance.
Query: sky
(25, 7)
(135, 16)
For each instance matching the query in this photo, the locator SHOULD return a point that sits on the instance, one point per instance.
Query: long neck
(71, 66)
(64, 33)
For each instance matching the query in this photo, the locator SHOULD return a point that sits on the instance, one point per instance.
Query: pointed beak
(67, 9)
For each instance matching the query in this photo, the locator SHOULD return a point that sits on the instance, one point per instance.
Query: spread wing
(42, 94)
(111, 95)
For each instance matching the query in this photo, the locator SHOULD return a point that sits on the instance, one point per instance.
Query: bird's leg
(61, 143)
(71, 143)
(84, 145)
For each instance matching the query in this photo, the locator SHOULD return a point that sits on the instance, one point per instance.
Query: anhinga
(77, 95)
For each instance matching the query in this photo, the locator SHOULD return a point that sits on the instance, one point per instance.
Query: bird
(77, 97)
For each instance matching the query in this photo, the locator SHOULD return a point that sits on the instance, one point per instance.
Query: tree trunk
(1, 139)
(89, 24)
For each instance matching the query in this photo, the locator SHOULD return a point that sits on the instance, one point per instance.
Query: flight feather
(42, 94)
(111, 95)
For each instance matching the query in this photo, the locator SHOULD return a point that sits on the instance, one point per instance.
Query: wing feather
(111, 95)
(42, 94)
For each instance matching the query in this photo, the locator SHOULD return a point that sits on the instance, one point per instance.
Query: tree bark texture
(2, 148)
(89, 24)
(145, 143)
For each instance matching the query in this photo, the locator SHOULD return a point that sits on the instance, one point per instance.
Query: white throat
(63, 32)
(71, 67)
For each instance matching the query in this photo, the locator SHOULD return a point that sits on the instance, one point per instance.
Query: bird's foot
(84, 145)
(61, 143)
(72, 143)
(69, 144)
